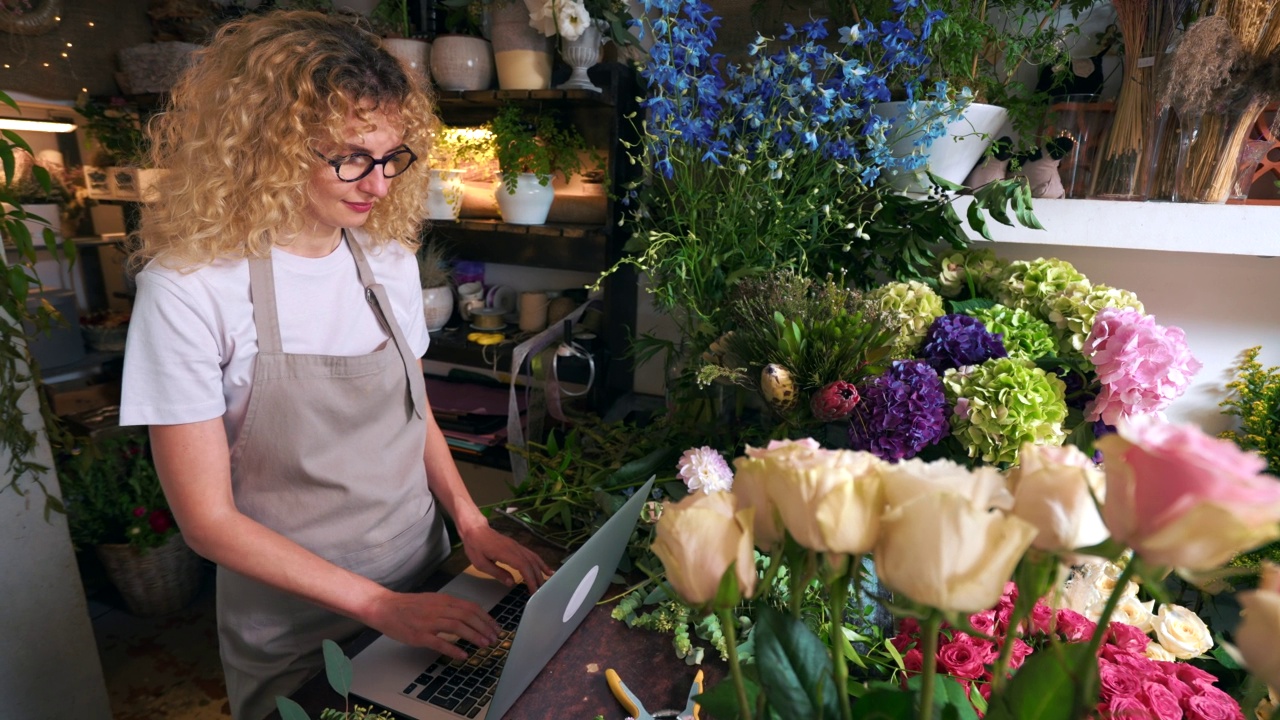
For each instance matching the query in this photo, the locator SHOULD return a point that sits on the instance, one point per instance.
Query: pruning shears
(633, 706)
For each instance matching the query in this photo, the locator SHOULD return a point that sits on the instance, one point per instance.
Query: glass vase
(1123, 157)
(1209, 149)
(1074, 124)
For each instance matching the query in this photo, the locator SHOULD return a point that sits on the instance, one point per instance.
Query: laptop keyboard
(465, 687)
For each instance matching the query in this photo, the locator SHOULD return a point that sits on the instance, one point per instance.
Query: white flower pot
(462, 62)
(444, 194)
(530, 202)
(415, 55)
(951, 156)
(521, 53)
(437, 306)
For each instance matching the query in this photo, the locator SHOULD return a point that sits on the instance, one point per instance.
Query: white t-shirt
(191, 344)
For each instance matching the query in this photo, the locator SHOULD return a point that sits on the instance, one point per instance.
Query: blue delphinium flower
(902, 412)
(957, 340)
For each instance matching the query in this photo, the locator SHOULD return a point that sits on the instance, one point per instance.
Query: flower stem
(929, 631)
(731, 644)
(1006, 650)
(839, 596)
(1088, 689)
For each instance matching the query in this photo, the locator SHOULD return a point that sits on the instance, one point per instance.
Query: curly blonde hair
(239, 132)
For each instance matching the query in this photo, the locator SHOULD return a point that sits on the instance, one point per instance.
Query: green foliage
(1255, 399)
(464, 17)
(537, 143)
(1057, 683)
(391, 18)
(116, 129)
(113, 494)
(819, 330)
(337, 668)
(18, 370)
(795, 668)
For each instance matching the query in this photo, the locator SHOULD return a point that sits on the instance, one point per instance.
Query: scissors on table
(633, 706)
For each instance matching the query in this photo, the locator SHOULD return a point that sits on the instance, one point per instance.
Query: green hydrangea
(1025, 336)
(1033, 284)
(1073, 315)
(980, 269)
(911, 307)
(1003, 403)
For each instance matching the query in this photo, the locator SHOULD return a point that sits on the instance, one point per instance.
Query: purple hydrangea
(902, 412)
(957, 340)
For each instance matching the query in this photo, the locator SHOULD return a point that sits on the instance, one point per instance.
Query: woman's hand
(419, 619)
(486, 548)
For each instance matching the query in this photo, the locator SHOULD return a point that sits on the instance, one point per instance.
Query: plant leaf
(721, 701)
(290, 710)
(336, 667)
(884, 705)
(795, 669)
(1047, 686)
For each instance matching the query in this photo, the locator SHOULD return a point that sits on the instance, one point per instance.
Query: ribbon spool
(533, 311)
(487, 319)
(559, 308)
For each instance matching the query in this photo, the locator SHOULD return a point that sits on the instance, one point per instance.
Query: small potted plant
(391, 18)
(116, 507)
(530, 149)
(463, 58)
(115, 131)
(46, 195)
(437, 294)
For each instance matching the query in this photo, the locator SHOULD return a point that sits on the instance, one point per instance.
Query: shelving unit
(1162, 226)
(604, 121)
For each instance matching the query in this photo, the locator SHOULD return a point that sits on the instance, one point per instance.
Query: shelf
(451, 346)
(566, 247)
(1161, 226)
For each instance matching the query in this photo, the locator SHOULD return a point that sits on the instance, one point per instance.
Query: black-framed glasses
(356, 166)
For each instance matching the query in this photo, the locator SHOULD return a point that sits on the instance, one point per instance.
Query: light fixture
(49, 126)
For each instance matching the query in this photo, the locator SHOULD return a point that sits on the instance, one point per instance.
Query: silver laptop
(421, 683)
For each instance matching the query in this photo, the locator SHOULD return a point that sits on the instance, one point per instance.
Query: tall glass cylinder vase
(1209, 149)
(521, 53)
(1122, 162)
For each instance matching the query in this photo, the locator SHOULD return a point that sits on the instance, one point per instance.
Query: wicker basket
(155, 581)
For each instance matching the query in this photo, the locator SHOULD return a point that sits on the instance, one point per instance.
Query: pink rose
(962, 659)
(1074, 627)
(1041, 620)
(913, 660)
(1179, 689)
(1194, 676)
(1142, 366)
(984, 622)
(1118, 680)
(1181, 498)
(1163, 704)
(1212, 704)
(1127, 637)
(139, 511)
(985, 649)
(1123, 706)
(1019, 654)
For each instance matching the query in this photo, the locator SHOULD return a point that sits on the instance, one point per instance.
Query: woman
(274, 347)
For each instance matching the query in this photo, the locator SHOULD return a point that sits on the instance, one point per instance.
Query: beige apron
(330, 456)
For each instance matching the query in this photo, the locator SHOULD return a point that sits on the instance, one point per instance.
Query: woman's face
(336, 204)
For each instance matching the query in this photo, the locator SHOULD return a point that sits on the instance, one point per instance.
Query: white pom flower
(705, 469)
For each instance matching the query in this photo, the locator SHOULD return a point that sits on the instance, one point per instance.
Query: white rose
(1182, 632)
(1156, 651)
(828, 500)
(1084, 598)
(942, 550)
(1054, 489)
(1105, 575)
(1132, 611)
(698, 539)
(905, 480)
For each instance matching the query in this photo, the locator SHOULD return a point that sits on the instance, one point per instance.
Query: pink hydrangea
(705, 469)
(1141, 366)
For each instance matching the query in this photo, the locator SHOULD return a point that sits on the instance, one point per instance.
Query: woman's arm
(485, 547)
(194, 466)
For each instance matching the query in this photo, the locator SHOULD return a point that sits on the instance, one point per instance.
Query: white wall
(49, 665)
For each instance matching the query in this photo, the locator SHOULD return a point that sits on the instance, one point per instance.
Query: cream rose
(829, 500)
(942, 550)
(1083, 597)
(1182, 632)
(984, 486)
(698, 539)
(1156, 651)
(1053, 489)
(1260, 626)
(1132, 611)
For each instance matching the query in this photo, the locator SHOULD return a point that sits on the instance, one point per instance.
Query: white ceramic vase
(581, 54)
(951, 156)
(444, 194)
(437, 306)
(529, 204)
(415, 55)
(462, 62)
(521, 53)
